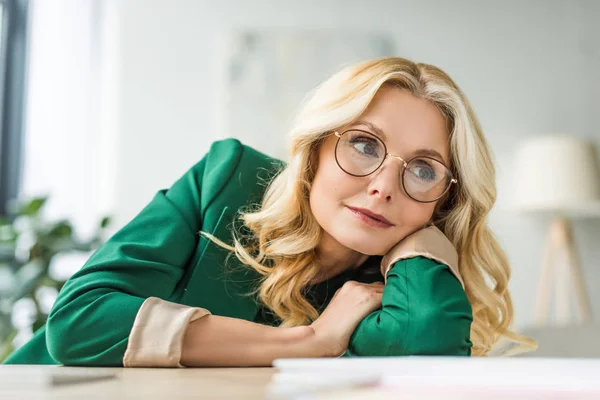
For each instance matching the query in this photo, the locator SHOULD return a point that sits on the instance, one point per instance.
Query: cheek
(414, 215)
(322, 195)
(329, 191)
(332, 185)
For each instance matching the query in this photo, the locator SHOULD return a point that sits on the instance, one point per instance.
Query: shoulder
(231, 154)
(427, 248)
(232, 173)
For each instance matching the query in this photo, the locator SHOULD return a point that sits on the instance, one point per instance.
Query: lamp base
(561, 264)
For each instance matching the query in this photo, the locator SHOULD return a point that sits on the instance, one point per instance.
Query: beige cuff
(157, 334)
(428, 242)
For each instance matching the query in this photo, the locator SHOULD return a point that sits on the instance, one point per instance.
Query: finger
(378, 289)
(376, 296)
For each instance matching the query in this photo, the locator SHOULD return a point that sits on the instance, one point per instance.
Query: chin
(364, 245)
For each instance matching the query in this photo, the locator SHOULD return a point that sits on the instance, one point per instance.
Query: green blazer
(160, 253)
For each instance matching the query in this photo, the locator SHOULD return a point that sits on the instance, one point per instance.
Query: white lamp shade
(556, 173)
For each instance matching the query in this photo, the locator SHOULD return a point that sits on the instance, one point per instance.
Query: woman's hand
(350, 305)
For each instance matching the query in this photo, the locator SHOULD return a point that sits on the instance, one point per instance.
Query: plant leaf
(33, 206)
(39, 322)
(6, 346)
(105, 222)
(61, 229)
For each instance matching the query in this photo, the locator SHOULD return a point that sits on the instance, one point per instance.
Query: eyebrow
(421, 152)
(374, 128)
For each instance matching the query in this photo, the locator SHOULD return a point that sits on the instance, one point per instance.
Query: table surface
(25, 382)
(414, 377)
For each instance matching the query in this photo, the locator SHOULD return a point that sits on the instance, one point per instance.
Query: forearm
(424, 311)
(215, 341)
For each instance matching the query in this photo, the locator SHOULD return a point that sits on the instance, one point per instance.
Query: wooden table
(19, 382)
(414, 378)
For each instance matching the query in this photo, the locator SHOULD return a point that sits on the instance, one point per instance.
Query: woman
(389, 180)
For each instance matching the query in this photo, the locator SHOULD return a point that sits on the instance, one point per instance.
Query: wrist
(320, 346)
(305, 343)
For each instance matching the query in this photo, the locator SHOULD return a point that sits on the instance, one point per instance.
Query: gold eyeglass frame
(404, 164)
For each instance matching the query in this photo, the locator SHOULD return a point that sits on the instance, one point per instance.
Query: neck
(334, 258)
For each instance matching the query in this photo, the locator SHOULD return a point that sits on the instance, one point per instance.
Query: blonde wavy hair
(284, 233)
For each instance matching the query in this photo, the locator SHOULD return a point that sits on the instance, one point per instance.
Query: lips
(369, 214)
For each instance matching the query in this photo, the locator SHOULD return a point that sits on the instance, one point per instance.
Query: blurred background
(106, 101)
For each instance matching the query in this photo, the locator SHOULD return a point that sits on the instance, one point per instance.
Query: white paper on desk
(457, 372)
(293, 384)
(446, 366)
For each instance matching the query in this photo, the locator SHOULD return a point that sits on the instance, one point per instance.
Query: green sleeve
(92, 317)
(425, 311)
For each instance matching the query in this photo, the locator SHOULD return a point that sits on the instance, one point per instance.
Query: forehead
(407, 123)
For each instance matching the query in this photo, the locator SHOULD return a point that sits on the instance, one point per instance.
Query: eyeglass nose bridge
(404, 163)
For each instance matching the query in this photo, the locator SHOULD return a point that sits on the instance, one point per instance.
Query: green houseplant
(28, 243)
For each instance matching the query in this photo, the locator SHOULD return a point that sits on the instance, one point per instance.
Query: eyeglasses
(360, 153)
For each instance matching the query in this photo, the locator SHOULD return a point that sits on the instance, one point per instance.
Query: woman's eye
(424, 172)
(366, 146)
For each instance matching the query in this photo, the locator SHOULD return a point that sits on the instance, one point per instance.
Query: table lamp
(558, 176)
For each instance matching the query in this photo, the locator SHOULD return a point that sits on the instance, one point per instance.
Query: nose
(385, 183)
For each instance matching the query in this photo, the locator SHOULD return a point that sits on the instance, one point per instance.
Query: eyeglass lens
(360, 153)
